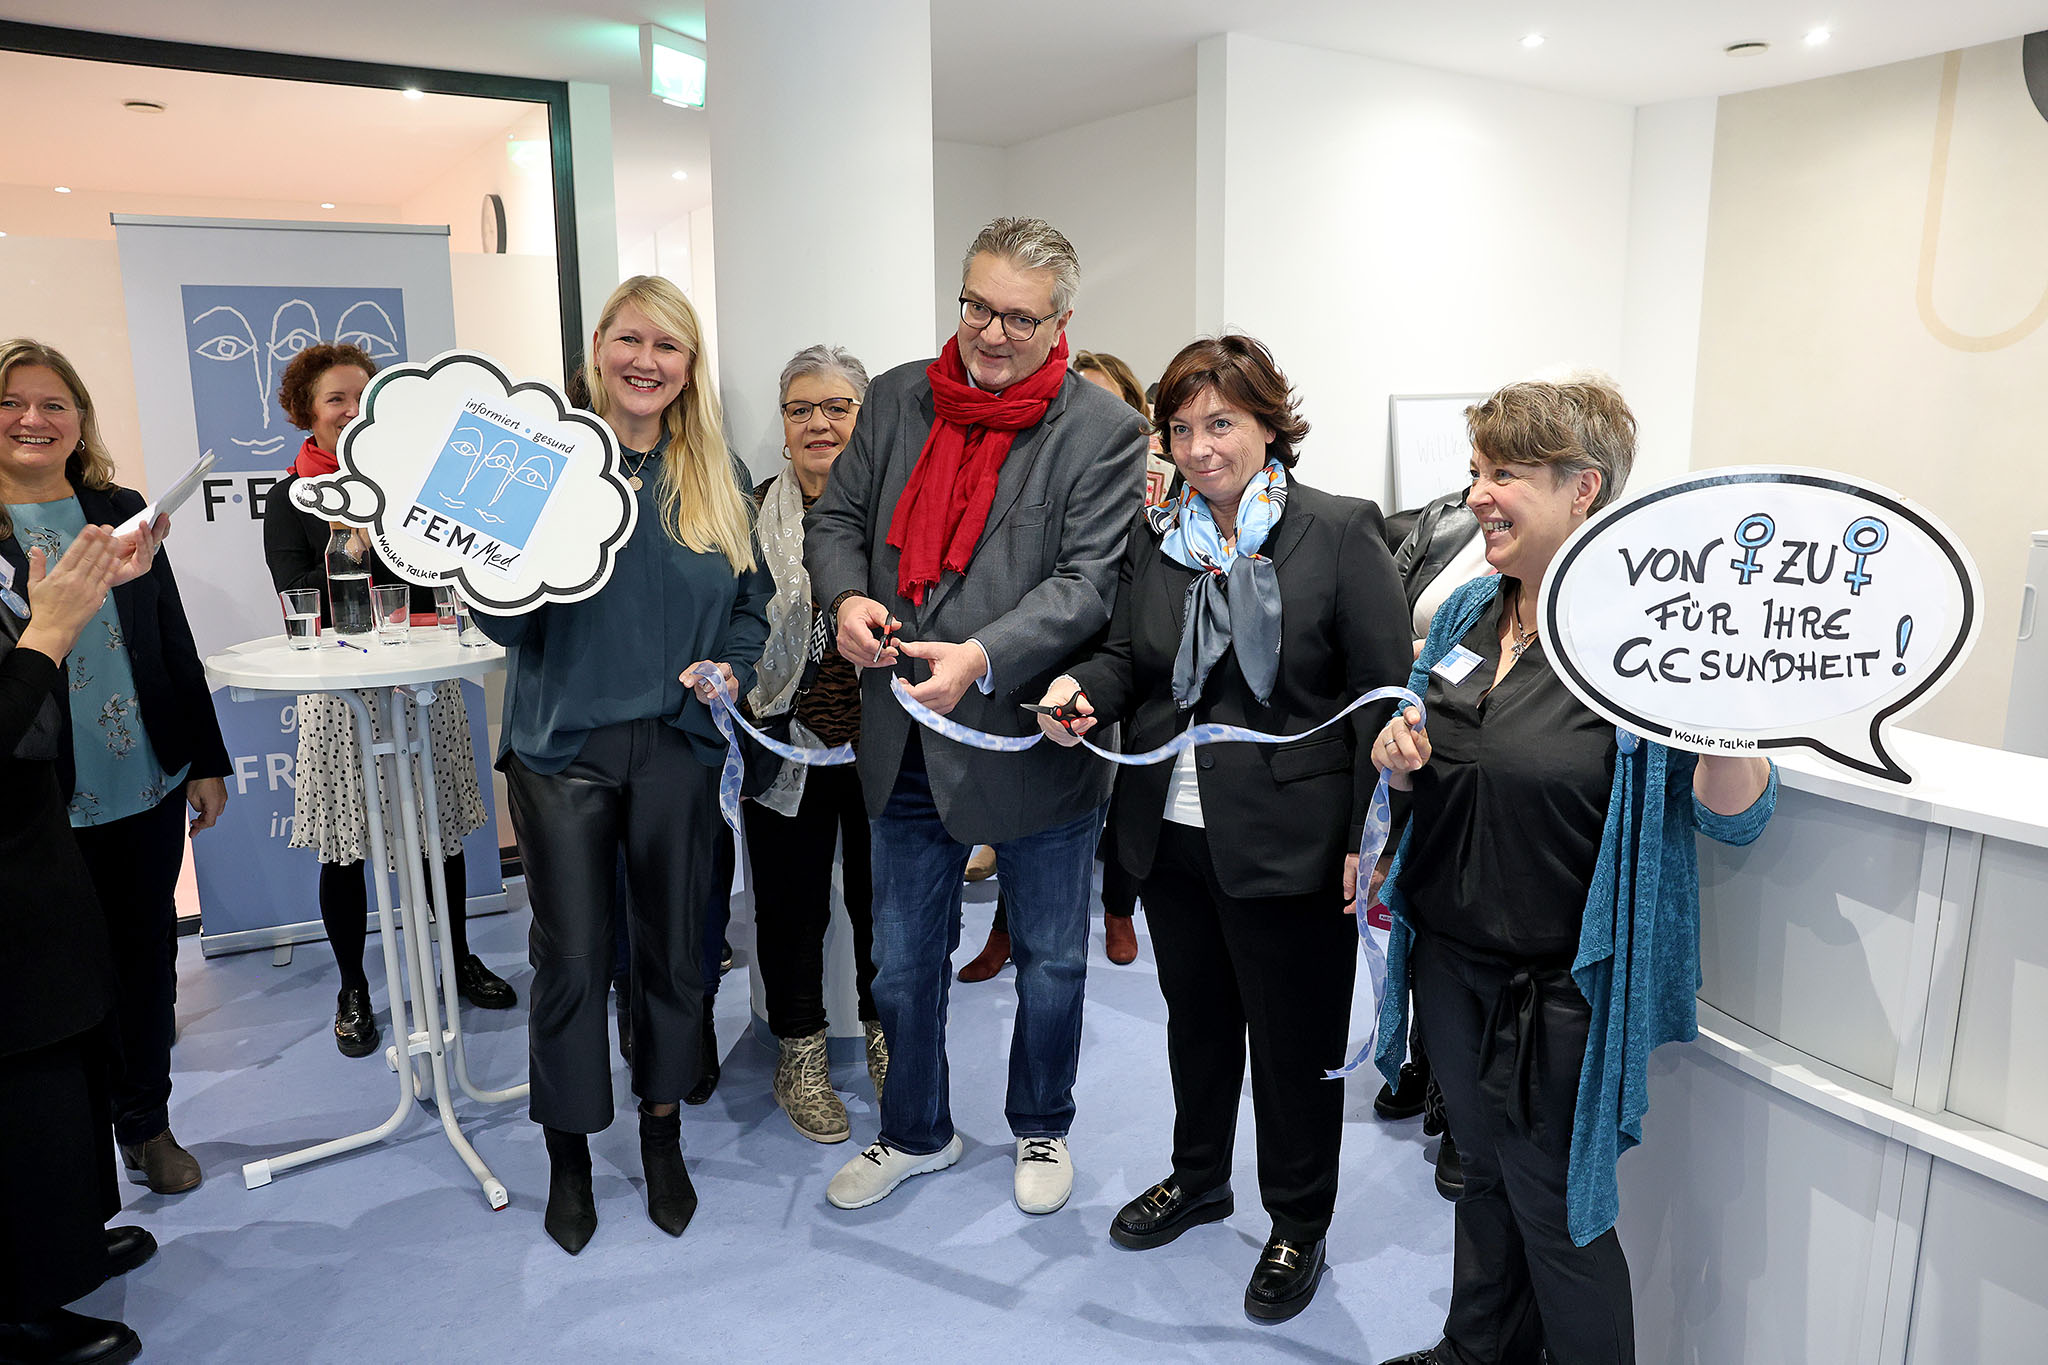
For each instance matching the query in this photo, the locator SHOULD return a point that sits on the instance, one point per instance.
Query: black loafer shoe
(1413, 1358)
(481, 986)
(1450, 1170)
(1403, 1101)
(355, 1028)
(1284, 1280)
(67, 1338)
(1164, 1212)
(127, 1248)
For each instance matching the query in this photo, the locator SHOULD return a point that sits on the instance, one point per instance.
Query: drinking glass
(393, 608)
(446, 608)
(301, 616)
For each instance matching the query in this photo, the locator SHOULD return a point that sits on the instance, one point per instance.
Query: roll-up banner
(217, 308)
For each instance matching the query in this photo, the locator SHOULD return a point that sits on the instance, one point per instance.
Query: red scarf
(942, 511)
(313, 461)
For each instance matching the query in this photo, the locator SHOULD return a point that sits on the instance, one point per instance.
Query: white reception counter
(1851, 1165)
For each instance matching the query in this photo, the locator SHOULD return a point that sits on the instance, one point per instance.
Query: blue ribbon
(1379, 818)
(1372, 839)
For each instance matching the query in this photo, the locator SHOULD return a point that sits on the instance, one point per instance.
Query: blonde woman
(607, 747)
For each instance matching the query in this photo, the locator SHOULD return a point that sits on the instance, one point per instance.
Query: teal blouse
(118, 774)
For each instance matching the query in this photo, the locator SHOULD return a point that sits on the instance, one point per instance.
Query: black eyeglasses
(836, 409)
(1016, 326)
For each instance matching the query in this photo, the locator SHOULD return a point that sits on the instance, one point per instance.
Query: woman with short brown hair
(1247, 599)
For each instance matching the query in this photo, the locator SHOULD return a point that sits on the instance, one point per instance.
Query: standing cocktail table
(431, 1027)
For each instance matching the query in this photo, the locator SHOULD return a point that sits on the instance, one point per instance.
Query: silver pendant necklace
(1523, 638)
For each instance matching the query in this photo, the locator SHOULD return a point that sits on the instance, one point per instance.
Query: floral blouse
(118, 774)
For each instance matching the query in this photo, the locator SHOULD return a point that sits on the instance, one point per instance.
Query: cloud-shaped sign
(1762, 608)
(463, 476)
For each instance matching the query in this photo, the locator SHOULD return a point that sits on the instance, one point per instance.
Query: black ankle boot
(671, 1199)
(571, 1215)
(707, 1063)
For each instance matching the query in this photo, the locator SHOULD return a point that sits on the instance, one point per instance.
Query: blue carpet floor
(392, 1254)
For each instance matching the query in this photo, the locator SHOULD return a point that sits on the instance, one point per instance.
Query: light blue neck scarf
(1234, 600)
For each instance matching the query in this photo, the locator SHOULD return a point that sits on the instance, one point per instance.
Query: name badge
(16, 603)
(1457, 665)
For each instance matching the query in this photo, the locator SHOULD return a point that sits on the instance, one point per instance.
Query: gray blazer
(1037, 594)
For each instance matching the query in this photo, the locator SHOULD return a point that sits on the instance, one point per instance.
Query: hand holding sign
(463, 476)
(1750, 609)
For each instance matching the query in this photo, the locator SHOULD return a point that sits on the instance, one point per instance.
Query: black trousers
(1506, 1045)
(792, 860)
(345, 913)
(57, 1186)
(636, 786)
(1279, 970)
(135, 864)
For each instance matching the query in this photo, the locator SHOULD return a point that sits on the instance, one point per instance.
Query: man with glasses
(968, 542)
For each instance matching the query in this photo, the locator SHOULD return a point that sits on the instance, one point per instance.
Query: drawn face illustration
(241, 338)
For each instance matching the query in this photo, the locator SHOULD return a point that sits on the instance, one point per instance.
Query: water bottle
(348, 585)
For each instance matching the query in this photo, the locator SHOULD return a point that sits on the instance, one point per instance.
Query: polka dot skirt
(328, 806)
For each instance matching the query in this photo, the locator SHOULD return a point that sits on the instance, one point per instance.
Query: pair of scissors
(890, 630)
(1065, 712)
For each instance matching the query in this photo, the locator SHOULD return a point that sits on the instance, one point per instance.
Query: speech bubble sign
(1759, 608)
(463, 476)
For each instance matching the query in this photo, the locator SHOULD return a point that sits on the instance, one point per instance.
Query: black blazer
(295, 548)
(170, 683)
(1280, 817)
(56, 977)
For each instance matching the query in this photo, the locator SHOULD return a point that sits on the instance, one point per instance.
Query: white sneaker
(869, 1177)
(1045, 1174)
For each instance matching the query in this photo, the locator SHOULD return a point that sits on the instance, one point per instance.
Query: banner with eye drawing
(216, 310)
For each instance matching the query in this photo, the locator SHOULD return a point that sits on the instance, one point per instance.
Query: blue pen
(347, 644)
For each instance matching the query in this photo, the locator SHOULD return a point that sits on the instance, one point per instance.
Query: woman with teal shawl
(1545, 903)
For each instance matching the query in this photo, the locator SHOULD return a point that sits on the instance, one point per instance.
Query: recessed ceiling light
(2, 234)
(142, 106)
(682, 175)
(413, 94)
(1748, 49)
(327, 206)
(63, 189)
(1533, 40)
(1815, 37)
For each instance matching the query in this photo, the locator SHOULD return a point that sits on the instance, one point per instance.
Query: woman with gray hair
(793, 826)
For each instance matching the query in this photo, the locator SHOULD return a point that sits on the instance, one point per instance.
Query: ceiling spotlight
(1533, 40)
(63, 189)
(1815, 37)
(2, 234)
(142, 106)
(682, 175)
(1749, 49)
(413, 94)
(326, 206)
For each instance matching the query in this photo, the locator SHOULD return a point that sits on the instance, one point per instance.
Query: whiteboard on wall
(1428, 452)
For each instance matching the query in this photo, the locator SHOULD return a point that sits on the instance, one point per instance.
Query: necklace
(633, 474)
(1523, 638)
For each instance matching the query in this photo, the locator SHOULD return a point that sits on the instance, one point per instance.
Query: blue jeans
(1047, 880)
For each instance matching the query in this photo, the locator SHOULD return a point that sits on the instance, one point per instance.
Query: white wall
(817, 243)
(516, 166)
(968, 189)
(1388, 229)
(1671, 182)
(1123, 191)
